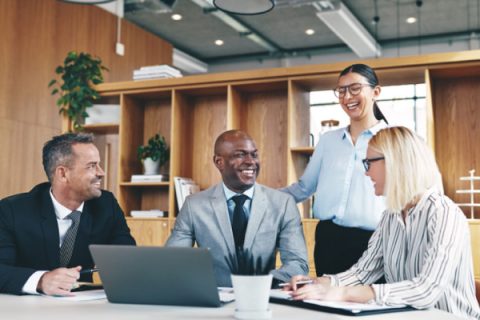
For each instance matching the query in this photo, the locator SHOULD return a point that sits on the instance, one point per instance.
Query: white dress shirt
(63, 225)
(336, 176)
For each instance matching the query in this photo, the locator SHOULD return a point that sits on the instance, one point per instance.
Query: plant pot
(150, 166)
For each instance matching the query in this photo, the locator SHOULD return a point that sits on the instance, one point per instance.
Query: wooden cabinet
(273, 107)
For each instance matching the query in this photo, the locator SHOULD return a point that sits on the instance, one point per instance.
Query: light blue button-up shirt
(231, 204)
(343, 193)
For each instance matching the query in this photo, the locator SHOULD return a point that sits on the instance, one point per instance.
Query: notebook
(345, 308)
(157, 275)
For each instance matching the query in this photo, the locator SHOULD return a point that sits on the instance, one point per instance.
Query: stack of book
(147, 213)
(156, 72)
(148, 178)
(183, 188)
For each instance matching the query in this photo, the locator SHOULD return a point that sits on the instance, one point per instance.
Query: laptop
(157, 275)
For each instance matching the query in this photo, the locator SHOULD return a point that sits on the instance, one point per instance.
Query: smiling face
(359, 106)
(376, 171)
(237, 160)
(84, 176)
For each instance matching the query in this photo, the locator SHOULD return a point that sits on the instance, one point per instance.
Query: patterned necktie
(66, 249)
(239, 223)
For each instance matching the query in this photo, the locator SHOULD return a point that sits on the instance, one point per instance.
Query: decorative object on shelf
(103, 113)
(472, 191)
(154, 213)
(245, 7)
(183, 188)
(79, 72)
(328, 125)
(149, 177)
(154, 154)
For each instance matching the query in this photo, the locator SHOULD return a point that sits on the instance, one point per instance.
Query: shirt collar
(61, 211)
(372, 130)
(229, 193)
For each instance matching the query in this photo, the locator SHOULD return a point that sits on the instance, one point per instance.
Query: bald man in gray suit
(267, 222)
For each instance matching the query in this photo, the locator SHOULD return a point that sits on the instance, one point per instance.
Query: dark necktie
(239, 223)
(66, 249)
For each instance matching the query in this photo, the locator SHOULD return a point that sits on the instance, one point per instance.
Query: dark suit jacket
(29, 238)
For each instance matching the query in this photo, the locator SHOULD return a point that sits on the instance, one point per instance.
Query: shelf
(303, 150)
(145, 184)
(102, 128)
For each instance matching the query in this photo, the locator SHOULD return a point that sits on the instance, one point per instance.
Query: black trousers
(338, 248)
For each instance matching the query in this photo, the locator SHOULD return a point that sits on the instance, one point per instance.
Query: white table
(39, 307)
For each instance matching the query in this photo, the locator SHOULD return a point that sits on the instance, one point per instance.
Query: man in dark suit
(264, 222)
(45, 233)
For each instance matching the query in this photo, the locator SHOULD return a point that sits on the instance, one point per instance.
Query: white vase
(150, 166)
(251, 296)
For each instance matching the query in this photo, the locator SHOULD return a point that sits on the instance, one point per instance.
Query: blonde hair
(410, 167)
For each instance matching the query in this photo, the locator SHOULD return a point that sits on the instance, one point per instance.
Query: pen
(89, 271)
(284, 284)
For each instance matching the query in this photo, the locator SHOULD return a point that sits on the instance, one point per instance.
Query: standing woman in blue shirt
(344, 199)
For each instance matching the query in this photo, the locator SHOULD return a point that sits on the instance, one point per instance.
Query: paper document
(84, 296)
(226, 294)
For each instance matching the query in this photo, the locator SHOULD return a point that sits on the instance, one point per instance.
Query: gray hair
(58, 151)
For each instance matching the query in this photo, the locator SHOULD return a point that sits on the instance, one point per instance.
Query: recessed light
(176, 17)
(411, 20)
(219, 42)
(309, 31)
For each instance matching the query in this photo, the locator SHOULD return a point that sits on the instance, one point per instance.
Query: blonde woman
(422, 244)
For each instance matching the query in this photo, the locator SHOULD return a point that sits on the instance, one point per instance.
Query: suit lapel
(219, 204)
(257, 212)
(49, 227)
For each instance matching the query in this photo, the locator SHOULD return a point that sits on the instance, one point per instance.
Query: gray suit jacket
(274, 224)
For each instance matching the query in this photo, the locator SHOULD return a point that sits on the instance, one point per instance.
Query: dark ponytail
(378, 113)
(372, 79)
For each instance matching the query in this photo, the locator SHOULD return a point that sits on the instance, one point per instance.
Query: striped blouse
(426, 260)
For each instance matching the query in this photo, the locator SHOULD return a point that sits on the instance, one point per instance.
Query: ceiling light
(411, 20)
(176, 17)
(219, 42)
(87, 1)
(309, 31)
(247, 7)
(347, 27)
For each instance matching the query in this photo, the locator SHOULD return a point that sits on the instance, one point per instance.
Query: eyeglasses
(354, 89)
(367, 162)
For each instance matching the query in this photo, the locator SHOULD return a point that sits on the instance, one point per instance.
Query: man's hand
(59, 281)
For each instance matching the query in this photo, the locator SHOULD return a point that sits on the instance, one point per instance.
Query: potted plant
(154, 154)
(79, 72)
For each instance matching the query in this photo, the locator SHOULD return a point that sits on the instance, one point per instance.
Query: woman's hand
(301, 280)
(320, 291)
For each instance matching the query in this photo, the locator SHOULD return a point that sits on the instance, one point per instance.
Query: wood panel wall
(36, 36)
(457, 133)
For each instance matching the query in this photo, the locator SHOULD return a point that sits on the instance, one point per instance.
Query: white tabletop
(41, 307)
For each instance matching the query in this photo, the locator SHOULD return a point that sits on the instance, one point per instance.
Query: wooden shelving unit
(102, 128)
(303, 150)
(273, 107)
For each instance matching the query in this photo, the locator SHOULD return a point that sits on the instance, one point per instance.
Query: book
(147, 178)
(183, 188)
(154, 213)
(156, 72)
